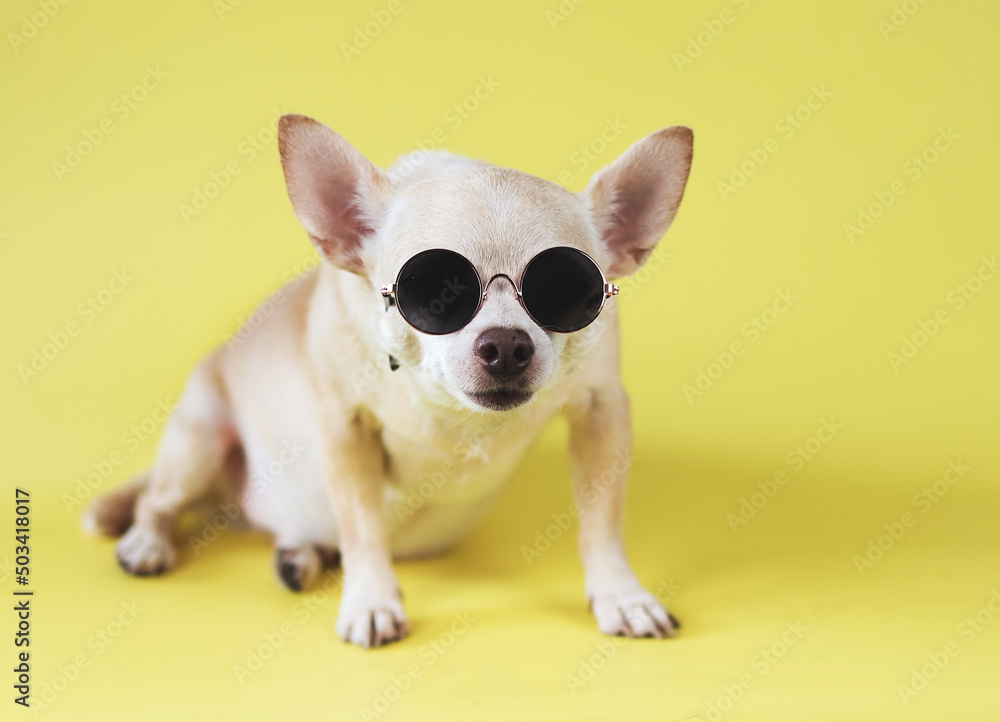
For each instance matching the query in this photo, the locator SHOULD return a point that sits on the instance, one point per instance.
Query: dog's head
(364, 222)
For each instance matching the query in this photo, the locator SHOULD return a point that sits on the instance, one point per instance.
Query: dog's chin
(500, 399)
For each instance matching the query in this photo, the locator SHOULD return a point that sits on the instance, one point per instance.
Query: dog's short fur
(378, 463)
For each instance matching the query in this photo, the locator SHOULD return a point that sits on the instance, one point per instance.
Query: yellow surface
(528, 646)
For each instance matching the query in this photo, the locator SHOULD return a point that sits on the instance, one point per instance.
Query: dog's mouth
(501, 399)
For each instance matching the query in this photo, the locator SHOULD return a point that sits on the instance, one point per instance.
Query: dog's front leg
(371, 609)
(600, 451)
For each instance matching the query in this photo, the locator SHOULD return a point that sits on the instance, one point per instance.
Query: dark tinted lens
(438, 291)
(563, 290)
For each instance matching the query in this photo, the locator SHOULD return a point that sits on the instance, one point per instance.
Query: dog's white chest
(459, 465)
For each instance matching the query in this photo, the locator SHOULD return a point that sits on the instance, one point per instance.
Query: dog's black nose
(504, 352)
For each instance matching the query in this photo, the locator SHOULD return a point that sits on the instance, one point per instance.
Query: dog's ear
(635, 198)
(337, 194)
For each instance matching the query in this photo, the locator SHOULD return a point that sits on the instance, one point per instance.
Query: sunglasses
(439, 291)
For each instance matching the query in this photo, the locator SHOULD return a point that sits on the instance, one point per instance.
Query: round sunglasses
(439, 291)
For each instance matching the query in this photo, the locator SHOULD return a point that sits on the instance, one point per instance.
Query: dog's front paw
(144, 552)
(635, 613)
(371, 620)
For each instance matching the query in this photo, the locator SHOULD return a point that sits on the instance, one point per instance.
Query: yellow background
(559, 83)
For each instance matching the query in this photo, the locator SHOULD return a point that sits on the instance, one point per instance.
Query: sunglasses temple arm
(389, 294)
(610, 290)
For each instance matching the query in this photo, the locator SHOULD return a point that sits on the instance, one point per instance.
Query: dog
(458, 306)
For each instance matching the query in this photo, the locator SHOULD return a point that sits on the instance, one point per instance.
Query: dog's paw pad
(635, 615)
(298, 567)
(144, 552)
(373, 625)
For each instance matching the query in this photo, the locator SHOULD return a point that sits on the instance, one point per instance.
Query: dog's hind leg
(194, 446)
(113, 514)
(299, 567)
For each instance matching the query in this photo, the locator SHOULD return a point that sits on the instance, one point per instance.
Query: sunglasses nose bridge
(513, 284)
